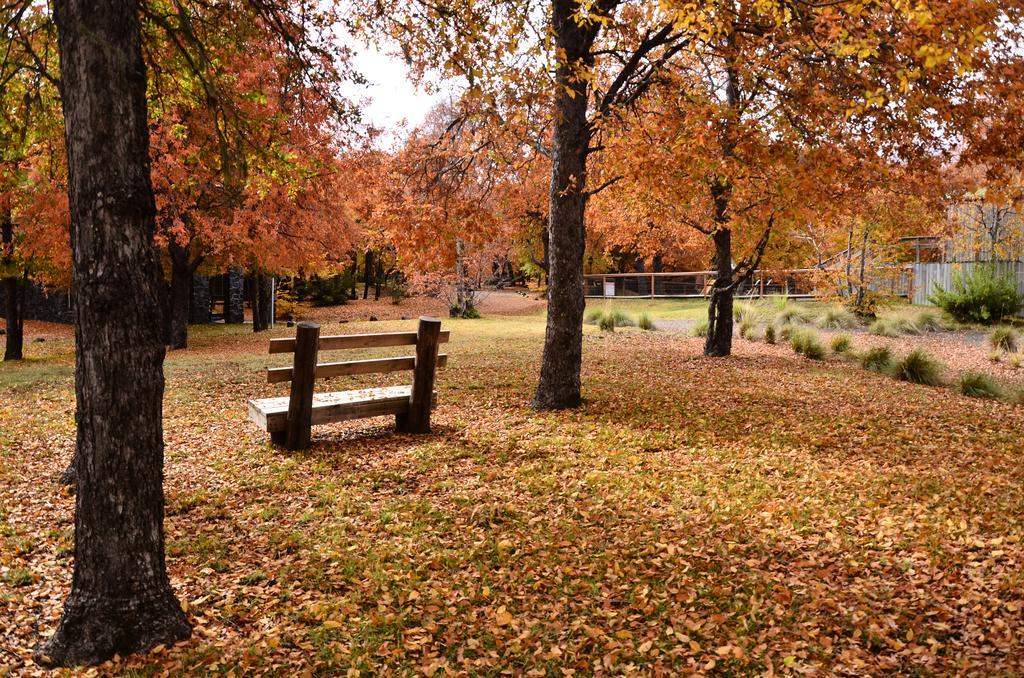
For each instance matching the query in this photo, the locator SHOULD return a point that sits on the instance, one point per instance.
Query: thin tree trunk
(179, 297)
(367, 273)
(559, 385)
(461, 282)
(378, 278)
(14, 295)
(260, 290)
(863, 264)
(719, 340)
(14, 298)
(351, 277)
(849, 262)
(121, 600)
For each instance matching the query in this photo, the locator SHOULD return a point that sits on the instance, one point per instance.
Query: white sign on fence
(609, 288)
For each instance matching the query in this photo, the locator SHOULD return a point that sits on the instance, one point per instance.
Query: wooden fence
(927, 275)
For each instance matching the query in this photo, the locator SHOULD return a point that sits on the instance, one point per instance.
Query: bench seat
(271, 414)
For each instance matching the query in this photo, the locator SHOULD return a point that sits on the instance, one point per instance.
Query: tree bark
(367, 273)
(378, 279)
(179, 297)
(14, 295)
(559, 385)
(121, 600)
(261, 304)
(718, 343)
(719, 340)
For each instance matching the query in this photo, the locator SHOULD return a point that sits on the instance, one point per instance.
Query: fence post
(422, 398)
(300, 403)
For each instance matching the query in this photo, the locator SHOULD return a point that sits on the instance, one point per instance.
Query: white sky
(391, 101)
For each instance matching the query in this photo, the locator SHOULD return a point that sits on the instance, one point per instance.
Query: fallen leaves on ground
(758, 514)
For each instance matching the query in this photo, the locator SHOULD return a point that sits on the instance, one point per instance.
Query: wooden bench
(289, 419)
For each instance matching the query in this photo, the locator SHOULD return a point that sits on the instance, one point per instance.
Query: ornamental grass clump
(644, 322)
(877, 359)
(980, 385)
(836, 318)
(842, 344)
(621, 318)
(1004, 338)
(807, 344)
(918, 367)
(884, 327)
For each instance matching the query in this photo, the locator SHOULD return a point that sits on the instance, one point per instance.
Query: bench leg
(279, 437)
(402, 423)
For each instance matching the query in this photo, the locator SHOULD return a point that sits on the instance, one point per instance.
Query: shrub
(919, 368)
(644, 322)
(1016, 396)
(807, 343)
(621, 319)
(980, 385)
(878, 359)
(1004, 338)
(769, 334)
(700, 328)
(865, 308)
(396, 292)
(1014, 360)
(979, 296)
(836, 318)
(747, 329)
(285, 306)
(841, 344)
(330, 291)
(995, 356)
(593, 316)
(607, 323)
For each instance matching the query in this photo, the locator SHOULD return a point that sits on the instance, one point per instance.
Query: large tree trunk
(559, 385)
(179, 297)
(719, 339)
(14, 295)
(121, 600)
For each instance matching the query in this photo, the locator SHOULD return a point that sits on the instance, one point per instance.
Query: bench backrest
(277, 375)
(305, 371)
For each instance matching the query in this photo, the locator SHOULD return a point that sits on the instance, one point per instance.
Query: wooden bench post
(300, 404)
(422, 398)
